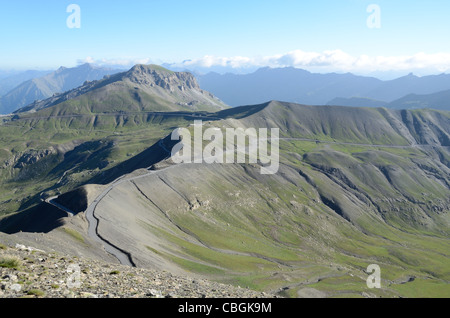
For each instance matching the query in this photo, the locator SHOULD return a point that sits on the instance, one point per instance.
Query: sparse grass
(73, 233)
(36, 292)
(195, 267)
(9, 261)
(423, 288)
(215, 258)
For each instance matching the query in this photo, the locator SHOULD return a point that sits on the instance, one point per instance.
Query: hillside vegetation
(356, 186)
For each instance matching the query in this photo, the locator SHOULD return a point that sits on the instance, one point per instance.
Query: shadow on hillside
(41, 218)
(158, 153)
(241, 111)
(144, 160)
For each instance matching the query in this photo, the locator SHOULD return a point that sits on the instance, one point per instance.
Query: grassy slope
(83, 146)
(281, 232)
(389, 208)
(275, 234)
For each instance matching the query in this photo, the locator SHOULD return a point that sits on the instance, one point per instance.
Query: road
(51, 201)
(123, 256)
(192, 115)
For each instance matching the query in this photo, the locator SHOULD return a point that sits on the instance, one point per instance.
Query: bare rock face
(31, 157)
(149, 75)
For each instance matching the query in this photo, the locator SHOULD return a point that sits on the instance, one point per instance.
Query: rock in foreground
(29, 272)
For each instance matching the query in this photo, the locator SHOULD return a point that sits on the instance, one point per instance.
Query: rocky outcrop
(31, 157)
(153, 76)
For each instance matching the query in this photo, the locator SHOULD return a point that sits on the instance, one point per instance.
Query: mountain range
(439, 100)
(89, 173)
(300, 86)
(10, 81)
(43, 87)
(287, 84)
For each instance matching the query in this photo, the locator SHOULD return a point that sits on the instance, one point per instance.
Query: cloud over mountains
(330, 60)
(327, 61)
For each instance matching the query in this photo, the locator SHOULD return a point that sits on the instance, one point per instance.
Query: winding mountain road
(125, 257)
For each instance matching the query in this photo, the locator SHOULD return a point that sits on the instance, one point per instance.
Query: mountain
(357, 102)
(7, 83)
(439, 100)
(186, 66)
(44, 87)
(286, 84)
(300, 86)
(142, 88)
(355, 187)
(389, 91)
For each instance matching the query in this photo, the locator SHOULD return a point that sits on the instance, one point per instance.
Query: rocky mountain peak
(154, 75)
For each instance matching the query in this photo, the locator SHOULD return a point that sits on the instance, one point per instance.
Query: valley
(263, 150)
(349, 193)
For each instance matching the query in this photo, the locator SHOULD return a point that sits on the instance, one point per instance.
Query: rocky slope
(29, 272)
(142, 88)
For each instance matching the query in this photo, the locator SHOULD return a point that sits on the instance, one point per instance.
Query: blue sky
(331, 33)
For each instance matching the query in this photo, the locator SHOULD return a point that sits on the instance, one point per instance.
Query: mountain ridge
(59, 81)
(10, 82)
(303, 87)
(143, 87)
(439, 100)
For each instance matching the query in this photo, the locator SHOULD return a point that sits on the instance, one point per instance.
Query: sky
(321, 35)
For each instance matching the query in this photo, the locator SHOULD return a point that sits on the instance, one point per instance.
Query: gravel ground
(29, 272)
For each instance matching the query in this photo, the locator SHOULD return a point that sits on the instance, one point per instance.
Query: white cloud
(332, 60)
(124, 62)
(326, 61)
(88, 59)
(210, 61)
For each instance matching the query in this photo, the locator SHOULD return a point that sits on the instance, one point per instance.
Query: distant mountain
(300, 86)
(58, 81)
(201, 70)
(9, 82)
(285, 84)
(439, 101)
(389, 91)
(142, 88)
(356, 102)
